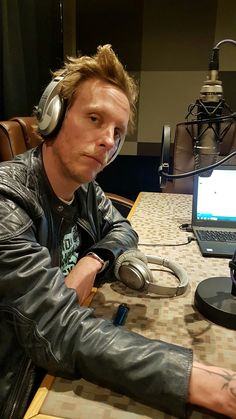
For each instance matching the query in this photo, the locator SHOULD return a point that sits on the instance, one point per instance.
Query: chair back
(18, 135)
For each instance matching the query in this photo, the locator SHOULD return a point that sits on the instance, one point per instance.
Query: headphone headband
(179, 272)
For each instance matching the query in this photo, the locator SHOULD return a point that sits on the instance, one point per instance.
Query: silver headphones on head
(51, 108)
(131, 269)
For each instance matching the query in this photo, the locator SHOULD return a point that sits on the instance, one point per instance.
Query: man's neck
(62, 188)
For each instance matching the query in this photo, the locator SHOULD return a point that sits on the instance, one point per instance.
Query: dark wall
(31, 46)
(129, 175)
(116, 22)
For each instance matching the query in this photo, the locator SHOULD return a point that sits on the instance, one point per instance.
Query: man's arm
(116, 234)
(82, 277)
(213, 388)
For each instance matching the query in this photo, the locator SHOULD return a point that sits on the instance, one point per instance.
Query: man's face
(91, 130)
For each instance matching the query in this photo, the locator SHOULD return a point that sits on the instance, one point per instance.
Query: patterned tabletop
(157, 218)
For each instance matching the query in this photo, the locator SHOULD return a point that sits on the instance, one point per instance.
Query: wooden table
(156, 217)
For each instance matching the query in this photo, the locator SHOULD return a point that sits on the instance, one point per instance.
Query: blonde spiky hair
(104, 65)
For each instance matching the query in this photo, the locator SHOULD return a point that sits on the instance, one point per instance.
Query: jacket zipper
(58, 237)
(20, 395)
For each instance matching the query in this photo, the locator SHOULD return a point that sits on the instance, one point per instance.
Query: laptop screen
(214, 198)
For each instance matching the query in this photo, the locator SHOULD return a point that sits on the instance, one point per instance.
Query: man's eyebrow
(98, 109)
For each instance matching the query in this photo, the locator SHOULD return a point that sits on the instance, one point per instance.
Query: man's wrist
(103, 262)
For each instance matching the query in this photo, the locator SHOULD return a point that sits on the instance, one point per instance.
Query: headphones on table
(51, 108)
(131, 269)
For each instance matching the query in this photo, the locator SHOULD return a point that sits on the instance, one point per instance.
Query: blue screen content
(216, 200)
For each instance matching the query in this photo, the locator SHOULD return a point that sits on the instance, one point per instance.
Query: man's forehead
(97, 94)
(92, 87)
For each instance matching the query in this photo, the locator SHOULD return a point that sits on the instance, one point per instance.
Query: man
(58, 234)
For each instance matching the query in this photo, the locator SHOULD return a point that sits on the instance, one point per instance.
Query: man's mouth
(99, 160)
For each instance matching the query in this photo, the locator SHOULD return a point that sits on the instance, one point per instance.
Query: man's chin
(82, 179)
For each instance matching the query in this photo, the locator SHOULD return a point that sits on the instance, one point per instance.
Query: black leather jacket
(41, 322)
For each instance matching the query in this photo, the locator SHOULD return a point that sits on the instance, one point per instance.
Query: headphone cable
(189, 240)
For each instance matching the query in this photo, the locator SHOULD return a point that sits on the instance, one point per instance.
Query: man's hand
(213, 388)
(82, 277)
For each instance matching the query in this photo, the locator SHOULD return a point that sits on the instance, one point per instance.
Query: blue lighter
(120, 315)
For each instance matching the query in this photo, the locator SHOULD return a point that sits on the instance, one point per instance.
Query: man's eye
(117, 135)
(93, 118)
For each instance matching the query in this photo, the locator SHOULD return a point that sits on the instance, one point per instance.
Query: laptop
(214, 212)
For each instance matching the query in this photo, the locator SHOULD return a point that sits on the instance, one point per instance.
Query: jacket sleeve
(115, 233)
(58, 335)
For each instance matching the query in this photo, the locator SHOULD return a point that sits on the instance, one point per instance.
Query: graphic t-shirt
(70, 250)
(70, 240)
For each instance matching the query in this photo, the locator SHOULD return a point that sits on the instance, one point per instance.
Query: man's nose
(107, 138)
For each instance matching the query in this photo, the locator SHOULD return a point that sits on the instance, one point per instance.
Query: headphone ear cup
(51, 108)
(133, 253)
(134, 273)
(52, 117)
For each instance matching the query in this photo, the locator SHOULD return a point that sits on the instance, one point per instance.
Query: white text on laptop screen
(216, 199)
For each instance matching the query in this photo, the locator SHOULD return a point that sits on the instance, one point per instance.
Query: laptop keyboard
(222, 236)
